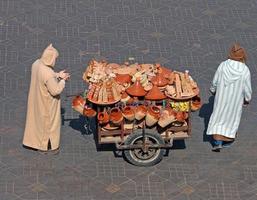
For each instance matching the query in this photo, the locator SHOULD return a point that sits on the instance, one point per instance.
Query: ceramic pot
(155, 94)
(136, 89)
(152, 116)
(181, 116)
(78, 104)
(128, 113)
(167, 117)
(196, 103)
(89, 112)
(103, 117)
(116, 116)
(140, 112)
(123, 78)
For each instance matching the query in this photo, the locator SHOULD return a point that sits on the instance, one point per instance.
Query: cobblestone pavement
(182, 34)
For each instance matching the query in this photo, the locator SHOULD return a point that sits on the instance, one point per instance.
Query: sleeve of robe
(54, 86)
(215, 81)
(248, 88)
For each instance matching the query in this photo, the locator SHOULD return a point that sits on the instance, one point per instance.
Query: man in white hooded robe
(232, 88)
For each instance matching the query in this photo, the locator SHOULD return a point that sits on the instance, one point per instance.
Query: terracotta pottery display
(103, 117)
(167, 117)
(123, 78)
(116, 116)
(159, 80)
(140, 112)
(155, 94)
(196, 103)
(89, 112)
(152, 116)
(128, 113)
(78, 104)
(136, 89)
(181, 116)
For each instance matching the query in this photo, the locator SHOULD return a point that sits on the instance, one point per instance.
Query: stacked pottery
(103, 117)
(152, 116)
(89, 112)
(128, 113)
(140, 112)
(116, 116)
(167, 117)
(125, 98)
(78, 104)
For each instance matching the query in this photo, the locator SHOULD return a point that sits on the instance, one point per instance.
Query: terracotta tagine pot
(125, 98)
(116, 116)
(159, 80)
(155, 94)
(136, 89)
(167, 117)
(128, 113)
(123, 78)
(103, 117)
(181, 116)
(89, 112)
(196, 103)
(78, 104)
(140, 112)
(152, 116)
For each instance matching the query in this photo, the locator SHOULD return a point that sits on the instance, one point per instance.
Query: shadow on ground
(205, 113)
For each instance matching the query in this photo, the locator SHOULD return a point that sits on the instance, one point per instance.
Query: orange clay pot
(103, 117)
(140, 112)
(78, 104)
(128, 113)
(116, 116)
(152, 116)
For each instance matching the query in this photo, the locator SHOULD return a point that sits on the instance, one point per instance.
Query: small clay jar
(128, 113)
(89, 112)
(181, 116)
(140, 112)
(78, 104)
(152, 116)
(103, 117)
(116, 116)
(123, 78)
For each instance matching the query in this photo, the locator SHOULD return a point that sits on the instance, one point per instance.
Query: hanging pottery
(116, 116)
(103, 117)
(128, 113)
(140, 112)
(152, 116)
(78, 104)
(181, 116)
(89, 112)
(167, 117)
(196, 103)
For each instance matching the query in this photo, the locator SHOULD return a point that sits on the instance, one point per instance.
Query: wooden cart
(143, 146)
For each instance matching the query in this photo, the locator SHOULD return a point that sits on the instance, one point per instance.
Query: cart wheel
(138, 156)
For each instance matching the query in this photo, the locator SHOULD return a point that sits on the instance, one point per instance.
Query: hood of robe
(49, 56)
(232, 71)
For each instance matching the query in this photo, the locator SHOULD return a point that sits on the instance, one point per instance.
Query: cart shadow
(205, 113)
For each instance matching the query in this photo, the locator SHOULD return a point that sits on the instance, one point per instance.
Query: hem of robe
(231, 136)
(53, 147)
(222, 138)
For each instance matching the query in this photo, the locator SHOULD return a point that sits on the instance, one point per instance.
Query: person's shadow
(205, 112)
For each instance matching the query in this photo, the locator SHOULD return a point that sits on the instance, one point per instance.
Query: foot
(227, 144)
(217, 146)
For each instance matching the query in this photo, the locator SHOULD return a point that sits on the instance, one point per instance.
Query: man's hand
(64, 75)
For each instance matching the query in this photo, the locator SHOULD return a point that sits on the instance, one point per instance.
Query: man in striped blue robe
(231, 86)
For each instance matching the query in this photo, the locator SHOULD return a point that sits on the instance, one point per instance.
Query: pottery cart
(141, 117)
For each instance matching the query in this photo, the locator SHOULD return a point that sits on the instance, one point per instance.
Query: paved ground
(182, 34)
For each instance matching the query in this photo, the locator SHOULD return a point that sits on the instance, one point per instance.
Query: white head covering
(49, 56)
